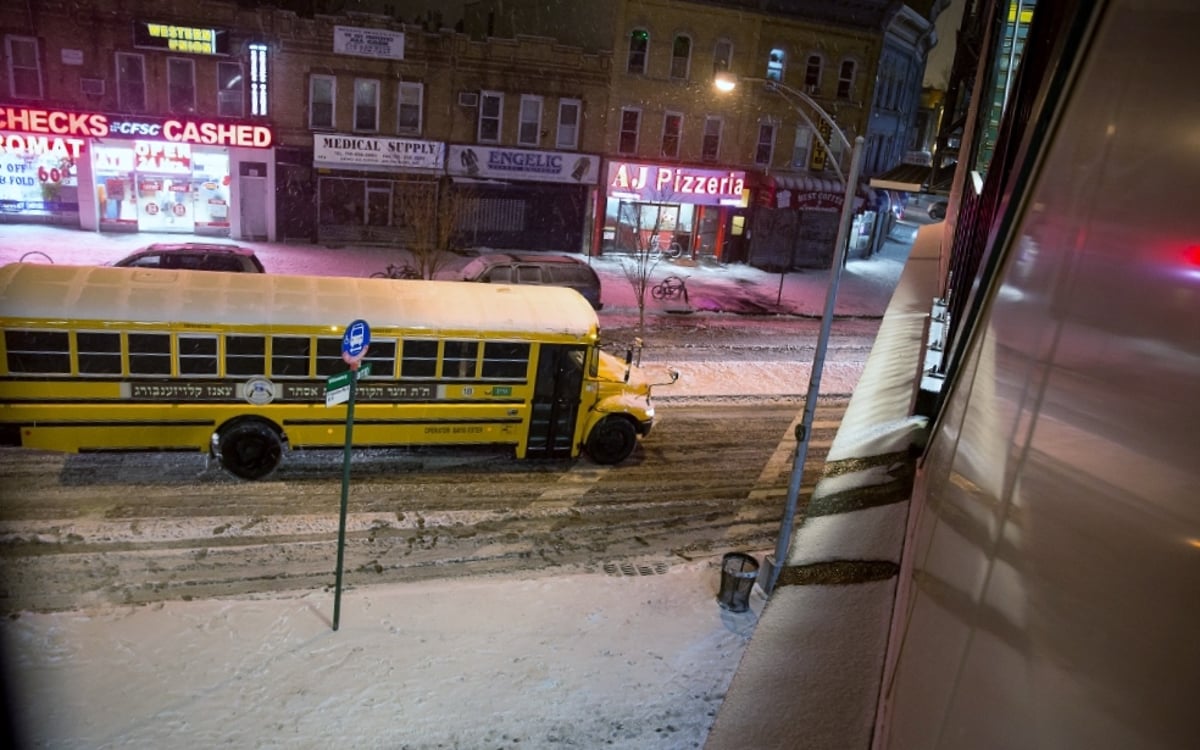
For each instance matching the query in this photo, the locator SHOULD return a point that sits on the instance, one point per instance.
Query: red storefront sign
(62, 124)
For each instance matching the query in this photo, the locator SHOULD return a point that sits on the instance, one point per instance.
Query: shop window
(258, 80)
(231, 89)
(639, 46)
(765, 149)
(802, 147)
(812, 74)
(529, 133)
(131, 82)
(568, 123)
(411, 98)
(491, 116)
(846, 79)
(181, 85)
(631, 120)
(322, 92)
(24, 67)
(775, 62)
(722, 55)
(681, 57)
(672, 133)
(711, 147)
(366, 105)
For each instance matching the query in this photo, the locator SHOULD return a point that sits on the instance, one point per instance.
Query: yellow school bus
(102, 358)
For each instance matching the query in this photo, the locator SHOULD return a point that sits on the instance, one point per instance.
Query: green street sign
(337, 387)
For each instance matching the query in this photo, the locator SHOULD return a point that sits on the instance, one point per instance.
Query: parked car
(536, 268)
(195, 256)
(937, 210)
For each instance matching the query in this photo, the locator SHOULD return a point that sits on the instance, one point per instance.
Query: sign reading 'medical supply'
(523, 164)
(360, 152)
(673, 183)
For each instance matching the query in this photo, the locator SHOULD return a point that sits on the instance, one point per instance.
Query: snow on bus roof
(108, 294)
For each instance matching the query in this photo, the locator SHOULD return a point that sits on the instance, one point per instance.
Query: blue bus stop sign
(355, 340)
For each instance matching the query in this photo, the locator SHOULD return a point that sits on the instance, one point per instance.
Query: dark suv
(536, 268)
(194, 256)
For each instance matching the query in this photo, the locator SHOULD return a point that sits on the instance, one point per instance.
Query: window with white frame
(710, 148)
(681, 57)
(231, 88)
(258, 80)
(491, 116)
(631, 122)
(569, 111)
(366, 105)
(322, 93)
(409, 102)
(845, 79)
(529, 133)
(765, 150)
(722, 55)
(24, 67)
(672, 134)
(639, 48)
(802, 147)
(775, 63)
(131, 82)
(181, 85)
(812, 74)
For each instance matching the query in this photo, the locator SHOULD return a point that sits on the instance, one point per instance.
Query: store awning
(914, 178)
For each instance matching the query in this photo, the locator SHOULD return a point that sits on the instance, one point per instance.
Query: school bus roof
(106, 294)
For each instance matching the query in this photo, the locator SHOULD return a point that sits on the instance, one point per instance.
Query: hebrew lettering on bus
(182, 391)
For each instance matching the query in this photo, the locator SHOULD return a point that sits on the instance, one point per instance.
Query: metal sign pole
(341, 545)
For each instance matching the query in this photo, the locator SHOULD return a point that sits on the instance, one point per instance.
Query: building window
(765, 149)
(568, 123)
(846, 79)
(231, 87)
(639, 45)
(366, 105)
(491, 113)
(711, 148)
(322, 92)
(722, 56)
(801, 147)
(775, 64)
(24, 67)
(681, 57)
(408, 108)
(181, 85)
(672, 132)
(258, 80)
(529, 132)
(631, 120)
(131, 82)
(812, 74)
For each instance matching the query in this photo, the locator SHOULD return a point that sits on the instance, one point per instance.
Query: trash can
(738, 573)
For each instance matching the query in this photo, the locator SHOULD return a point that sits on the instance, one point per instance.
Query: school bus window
(381, 355)
(98, 353)
(245, 355)
(505, 360)
(289, 356)
(38, 351)
(149, 354)
(418, 358)
(458, 359)
(329, 357)
(197, 355)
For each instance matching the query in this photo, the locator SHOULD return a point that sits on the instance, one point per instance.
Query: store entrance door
(254, 208)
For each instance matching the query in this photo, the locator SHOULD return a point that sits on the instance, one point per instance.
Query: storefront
(693, 213)
(796, 219)
(122, 173)
(523, 199)
(370, 190)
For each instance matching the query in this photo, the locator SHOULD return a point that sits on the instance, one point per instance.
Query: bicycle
(670, 288)
(393, 271)
(672, 251)
(32, 257)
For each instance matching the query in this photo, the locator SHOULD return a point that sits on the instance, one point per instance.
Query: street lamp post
(727, 82)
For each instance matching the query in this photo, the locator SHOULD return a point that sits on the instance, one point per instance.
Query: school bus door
(556, 396)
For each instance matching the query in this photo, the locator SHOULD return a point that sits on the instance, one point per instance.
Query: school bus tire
(249, 448)
(612, 440)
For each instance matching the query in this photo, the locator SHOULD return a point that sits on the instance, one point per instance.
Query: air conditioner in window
(468, 99)
(92, 86)
(813, 89)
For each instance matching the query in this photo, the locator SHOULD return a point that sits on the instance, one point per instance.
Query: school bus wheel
(612, 440)
(249, 448)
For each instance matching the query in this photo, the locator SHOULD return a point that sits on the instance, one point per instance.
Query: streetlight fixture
(726, 82)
